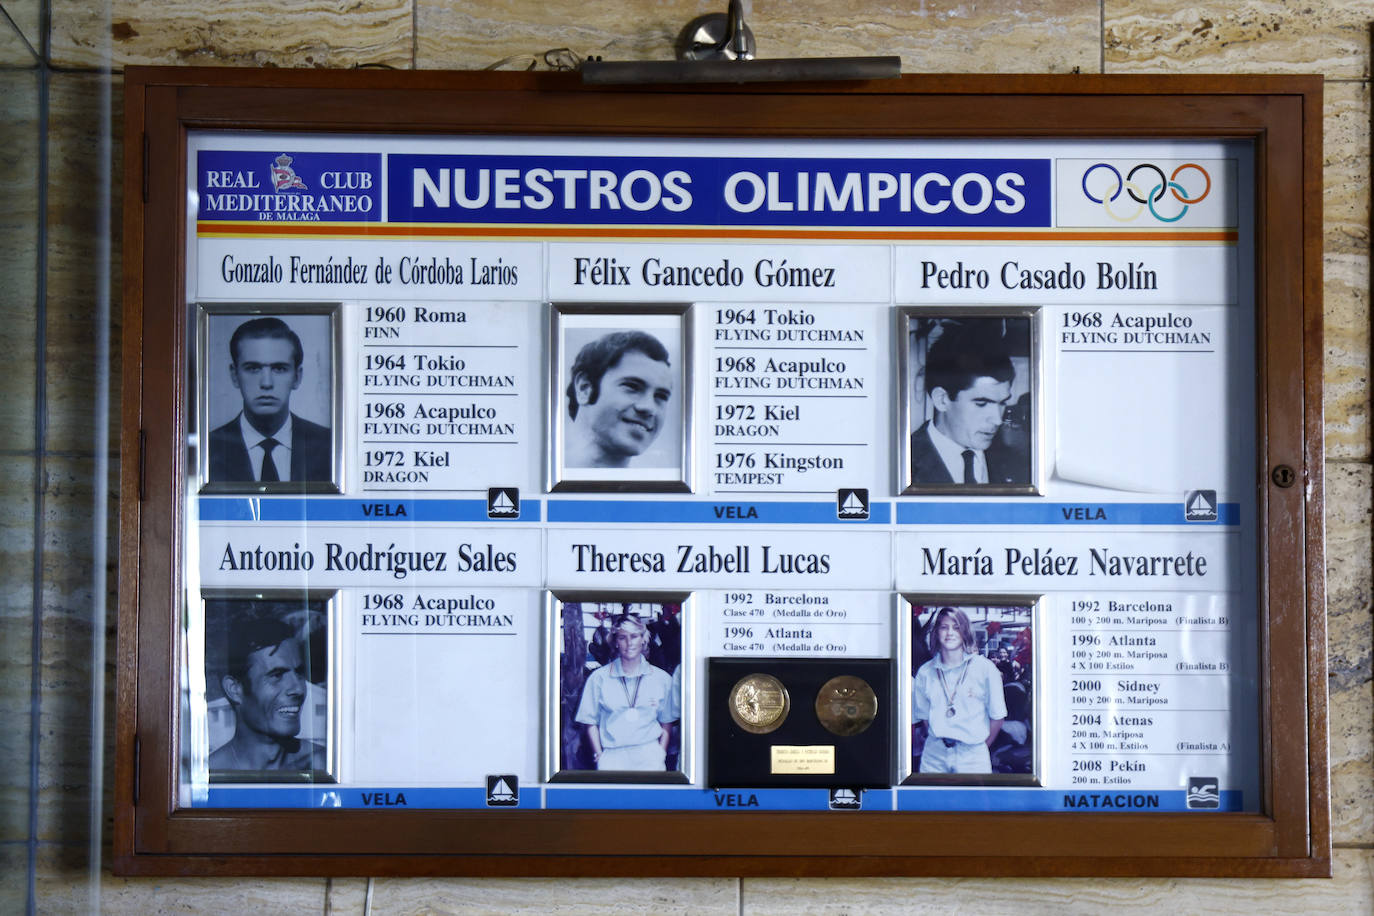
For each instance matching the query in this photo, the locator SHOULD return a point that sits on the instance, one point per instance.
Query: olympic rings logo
(1158, 183)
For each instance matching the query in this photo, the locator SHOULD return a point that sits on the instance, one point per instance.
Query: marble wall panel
(17, 476)
(16, 691)
(1346, 394)
(14, 877)
(1348, 557)
(1350, 659)
(66, 679)
(1346, 166)
(27, 17)
(1346, 243)
(62, 888)
(19, 231)
(345, 896)
(239, 33)
(75, 269)
(17, 481)
(1033, 35)
(1249, 36)
(434, 897)
(1351, 891)
(17, 48)
(1352, 758)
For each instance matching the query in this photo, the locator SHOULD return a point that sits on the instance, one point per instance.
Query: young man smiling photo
(617, 399)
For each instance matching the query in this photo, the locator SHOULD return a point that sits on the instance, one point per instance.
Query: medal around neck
(759, 703)
(846, 705)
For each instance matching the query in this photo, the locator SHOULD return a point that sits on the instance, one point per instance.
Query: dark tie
(968, 466)
(269, 467)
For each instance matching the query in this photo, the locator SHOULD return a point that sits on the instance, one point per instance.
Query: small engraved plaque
(759, 703)
(816, 759)
(846, 705)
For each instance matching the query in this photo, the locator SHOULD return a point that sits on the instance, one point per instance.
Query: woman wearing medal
(958, 694)
(628, 705)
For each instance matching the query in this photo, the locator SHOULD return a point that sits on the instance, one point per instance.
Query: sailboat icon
(844, 798)
(503, 791)
(503, 502)
(853, 504)
(1201, 506)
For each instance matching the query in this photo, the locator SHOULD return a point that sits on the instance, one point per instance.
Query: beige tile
(1345, 140)
(1349, 624)
(14, 877)
(69, 539)
(1348, 557)
(436, 897)
(63, 888)
(1034, 35)
(345, 897)
(1352, 757)
(1351, 892)
(19, 229)
(17, 476)
(27, 16)
(1249, 36)
(16, 643)
(17, 49)
(67, 732)
(75, 269)
(1347, 190)
(16, 690)
(241, 33)
(1346, 340)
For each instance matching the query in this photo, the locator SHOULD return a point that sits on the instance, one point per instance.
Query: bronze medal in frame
(846, 705)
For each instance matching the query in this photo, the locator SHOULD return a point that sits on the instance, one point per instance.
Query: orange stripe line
(210, 229)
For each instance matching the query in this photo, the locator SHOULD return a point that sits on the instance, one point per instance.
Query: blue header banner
(687, 512)
(701, 191)
(285, 187)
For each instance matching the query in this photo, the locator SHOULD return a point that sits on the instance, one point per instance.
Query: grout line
(75, 454)
(40, 433)
(101, 485)
(1101, 36)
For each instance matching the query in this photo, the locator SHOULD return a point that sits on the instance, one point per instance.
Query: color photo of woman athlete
(972, 690)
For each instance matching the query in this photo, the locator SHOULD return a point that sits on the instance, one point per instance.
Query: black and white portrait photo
(267, 692)
(968, 400)
(269, 415)
(620, 396)
(620, 688)
(972, 691)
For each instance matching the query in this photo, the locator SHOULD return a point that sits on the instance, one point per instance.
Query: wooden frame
(1280, 116)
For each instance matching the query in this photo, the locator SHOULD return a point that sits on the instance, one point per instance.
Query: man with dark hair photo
(617, 399)
(969, 378)
(266, 681)
(266, 442)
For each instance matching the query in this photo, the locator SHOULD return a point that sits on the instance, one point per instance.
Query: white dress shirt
(281, 454)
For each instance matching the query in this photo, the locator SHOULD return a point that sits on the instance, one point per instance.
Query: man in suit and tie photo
(970, 381)
(266, 442)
